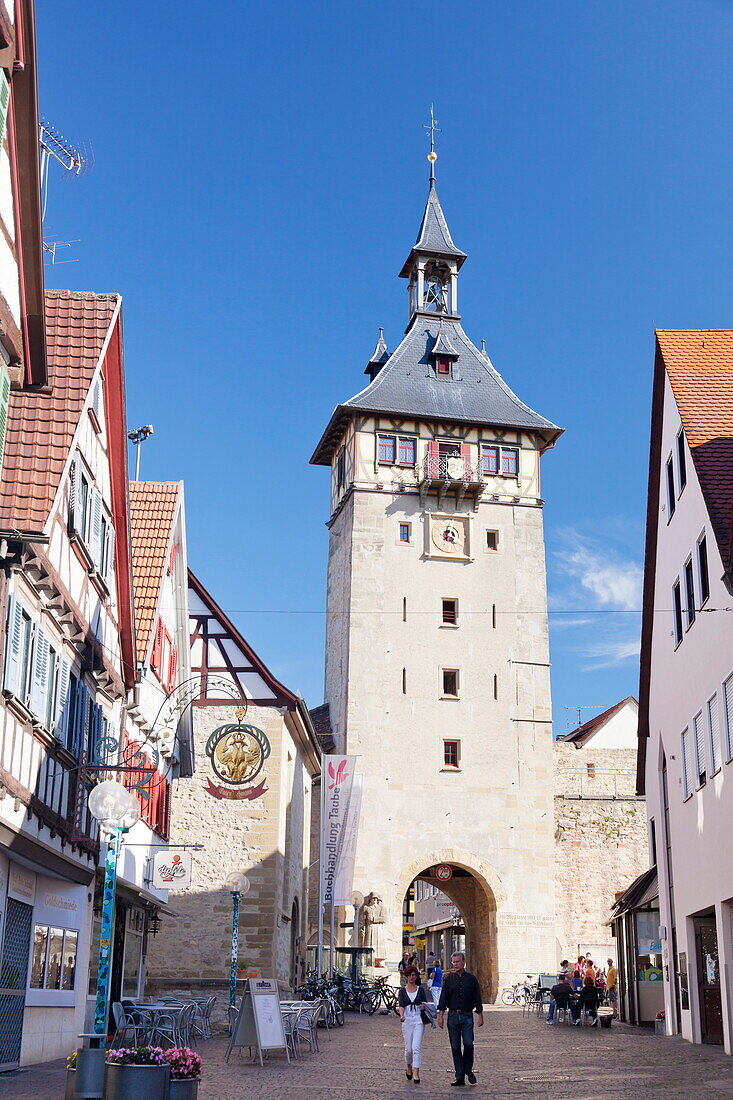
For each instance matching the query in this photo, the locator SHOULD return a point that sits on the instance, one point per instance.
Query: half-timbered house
(248, 804)
(68, 661)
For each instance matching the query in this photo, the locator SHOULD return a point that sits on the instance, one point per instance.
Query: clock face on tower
(448, 536)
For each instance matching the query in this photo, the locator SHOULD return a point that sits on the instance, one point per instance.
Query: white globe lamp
(113, 805)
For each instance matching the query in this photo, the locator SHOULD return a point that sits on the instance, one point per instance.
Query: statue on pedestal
(373, 918)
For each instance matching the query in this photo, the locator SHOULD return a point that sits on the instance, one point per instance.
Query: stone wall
(601, 842)
(267, 838)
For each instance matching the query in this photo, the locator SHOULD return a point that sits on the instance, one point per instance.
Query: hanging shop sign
(237, 754)
(172, 870)
(444, 871)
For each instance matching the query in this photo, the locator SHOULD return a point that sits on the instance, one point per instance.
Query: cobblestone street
(515, 1057)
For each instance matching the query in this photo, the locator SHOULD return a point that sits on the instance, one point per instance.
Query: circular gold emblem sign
(237, 753)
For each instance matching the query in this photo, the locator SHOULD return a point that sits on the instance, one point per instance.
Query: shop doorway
(13, 979)
(708, 979)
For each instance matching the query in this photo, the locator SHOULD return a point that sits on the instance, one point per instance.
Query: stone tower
(437, 666)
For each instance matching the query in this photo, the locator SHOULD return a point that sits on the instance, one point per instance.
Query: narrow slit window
(451, 754)
(681, 460)
(671, 502)
(702, 569)
(690, 592)
(493, 616)
(450, 612)
(496, 686)
(404, 609)
(404, 681)
(450, 683)
(677, 612)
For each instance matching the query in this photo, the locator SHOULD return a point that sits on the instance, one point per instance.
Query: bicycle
(519, 994)
(381, 993)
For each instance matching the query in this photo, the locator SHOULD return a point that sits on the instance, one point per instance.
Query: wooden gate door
(708, 980)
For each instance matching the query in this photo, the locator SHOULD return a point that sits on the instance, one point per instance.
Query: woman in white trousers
(412, 1002)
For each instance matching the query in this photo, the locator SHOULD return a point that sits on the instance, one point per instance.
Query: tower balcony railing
(450, 474)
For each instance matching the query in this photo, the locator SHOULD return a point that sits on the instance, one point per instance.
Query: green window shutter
(4, 104)
(4, 399)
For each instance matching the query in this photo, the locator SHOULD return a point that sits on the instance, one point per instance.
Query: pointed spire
(433, 238)
(380, 355)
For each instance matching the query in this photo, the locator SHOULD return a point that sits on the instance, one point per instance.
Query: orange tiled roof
(152, 510)
(41, 425)
(699, 364)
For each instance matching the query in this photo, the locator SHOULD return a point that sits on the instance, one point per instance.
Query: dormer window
(442, 367)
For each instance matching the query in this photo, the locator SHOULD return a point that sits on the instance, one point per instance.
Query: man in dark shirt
(461, 996)
(563, 997)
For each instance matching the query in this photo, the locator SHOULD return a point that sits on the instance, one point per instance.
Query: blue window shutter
(39, 675)
(4, 104)
(95, 731)
(63, 701)
(80, 718)
(13, 646)
(110, 556)
(95, 527)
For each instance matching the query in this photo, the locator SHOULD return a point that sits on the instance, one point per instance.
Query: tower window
(340, 469)
(496, 686)
(407, 450)
(702, 569)
(450, 612)
(492, 540)
(386, 449)
(451, 754)
(450, 683)
(489, 459)
(405, 532)
(404, 681)
(442, 367)
(509, 462)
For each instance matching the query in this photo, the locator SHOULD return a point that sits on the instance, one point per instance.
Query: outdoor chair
(306, 1024)
(125, 1026)
(290, 1017)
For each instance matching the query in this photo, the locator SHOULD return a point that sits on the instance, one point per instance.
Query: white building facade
(686, 690)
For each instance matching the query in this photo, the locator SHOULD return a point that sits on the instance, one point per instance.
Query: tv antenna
(72, 159)
(598, 710)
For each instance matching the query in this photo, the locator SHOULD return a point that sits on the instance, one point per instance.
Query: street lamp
(116, 809)
(239, 885)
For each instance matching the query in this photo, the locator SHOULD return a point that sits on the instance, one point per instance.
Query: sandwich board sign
(259, 1021)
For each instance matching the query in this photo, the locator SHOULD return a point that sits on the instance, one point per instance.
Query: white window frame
(716, 759)
(690, 610)
(726, 691)
(443, 623)
(679, 451)
(697, 741)
(702, 538)
(686, 759)
(678, 636)
(443, 670)
(670, 490)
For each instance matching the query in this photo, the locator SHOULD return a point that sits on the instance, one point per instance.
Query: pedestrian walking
(461, 997)
(612, 987)
(436, 983)
(415, 1013)
(406, 960)
(430, 965)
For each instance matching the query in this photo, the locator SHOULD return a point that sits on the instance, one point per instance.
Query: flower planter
(70, 1092)
(185, 1089)
(660, 1027)
(89, 1074)
(135, 1082)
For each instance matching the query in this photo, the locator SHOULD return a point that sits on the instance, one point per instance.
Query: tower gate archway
(475, 890)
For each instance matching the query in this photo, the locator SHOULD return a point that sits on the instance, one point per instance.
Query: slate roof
(699, 364)
(407, 386)
(42, 423)
(582, 735)
(321, 718)
(433, 237)
(152, 511)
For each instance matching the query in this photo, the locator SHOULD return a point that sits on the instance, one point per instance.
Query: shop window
(53, 963)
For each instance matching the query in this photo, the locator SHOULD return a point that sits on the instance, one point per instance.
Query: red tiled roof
(699, 363)
(583, 734)
(152, 510)
(41, 424)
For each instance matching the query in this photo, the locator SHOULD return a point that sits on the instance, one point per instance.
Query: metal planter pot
(70, 1092)
(187, 1089)
(89, 1073)
(136, 1082)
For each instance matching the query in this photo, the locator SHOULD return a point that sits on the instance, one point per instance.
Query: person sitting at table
(589, 997)
(562, 997)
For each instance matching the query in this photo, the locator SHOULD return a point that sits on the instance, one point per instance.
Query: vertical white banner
(338, 781)
(344, 884)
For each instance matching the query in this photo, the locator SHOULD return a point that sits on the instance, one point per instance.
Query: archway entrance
(449, 907)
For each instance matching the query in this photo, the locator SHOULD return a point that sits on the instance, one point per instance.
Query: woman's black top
(404, 1001)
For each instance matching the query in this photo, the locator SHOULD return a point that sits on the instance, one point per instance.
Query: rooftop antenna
(138, 436)
(599, 710)
(431, 131)
(52, 248)
(73, 160)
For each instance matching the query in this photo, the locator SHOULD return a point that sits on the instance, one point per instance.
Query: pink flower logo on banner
(338, 775)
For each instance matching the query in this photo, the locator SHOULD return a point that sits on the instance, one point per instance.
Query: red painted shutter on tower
(433, 459)
(466, 456)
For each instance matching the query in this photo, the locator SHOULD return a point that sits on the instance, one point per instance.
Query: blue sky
(259, 175)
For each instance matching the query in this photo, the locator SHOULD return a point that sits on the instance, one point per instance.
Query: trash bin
(605, 1015)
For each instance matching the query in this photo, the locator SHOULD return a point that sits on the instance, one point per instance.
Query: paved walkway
(515, 1057)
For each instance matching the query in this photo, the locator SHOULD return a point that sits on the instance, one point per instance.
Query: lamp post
(116, 809)
(239, 885)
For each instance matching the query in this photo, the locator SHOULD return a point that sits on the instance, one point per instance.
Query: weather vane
(431, 131)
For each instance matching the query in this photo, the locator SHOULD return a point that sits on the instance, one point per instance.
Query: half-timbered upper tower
(437, 670)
